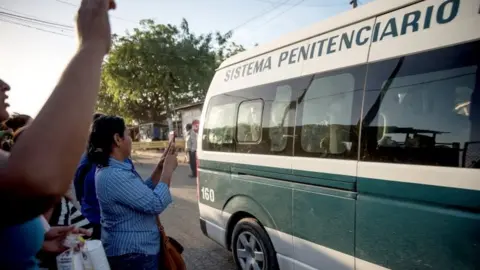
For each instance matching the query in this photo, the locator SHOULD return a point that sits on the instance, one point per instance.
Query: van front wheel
(251, 247)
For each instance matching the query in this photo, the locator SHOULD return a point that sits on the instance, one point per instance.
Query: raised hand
(170, 164)
(93, 24)
(171, 145)
(158, 172)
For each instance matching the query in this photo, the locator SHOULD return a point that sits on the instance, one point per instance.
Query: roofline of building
(186, 106)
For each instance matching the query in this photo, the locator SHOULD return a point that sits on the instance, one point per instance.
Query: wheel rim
(250, 253)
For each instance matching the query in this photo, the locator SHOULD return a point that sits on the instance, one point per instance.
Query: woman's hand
(93, 24)
(63, 231)
(170, 146)
(55, 238)
(157, 173)
(54, 245)
(170, 164)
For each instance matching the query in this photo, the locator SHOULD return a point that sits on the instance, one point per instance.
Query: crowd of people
(81, 180)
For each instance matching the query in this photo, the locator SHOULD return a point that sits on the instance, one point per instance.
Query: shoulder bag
(170, 251)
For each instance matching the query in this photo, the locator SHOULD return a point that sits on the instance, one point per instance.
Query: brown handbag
(170, 252)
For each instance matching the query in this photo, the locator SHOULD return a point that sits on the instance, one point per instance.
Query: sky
(31, 60)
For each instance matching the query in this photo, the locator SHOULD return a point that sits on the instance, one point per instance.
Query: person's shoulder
(84, 162)
(104, 177)
(83, 159)
(110, 173)
(105, 171)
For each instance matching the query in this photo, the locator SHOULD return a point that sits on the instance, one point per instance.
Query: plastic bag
(94, 257)
(91, 257)
(70, 260)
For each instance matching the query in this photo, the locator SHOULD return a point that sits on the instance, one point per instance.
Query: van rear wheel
(251, 247)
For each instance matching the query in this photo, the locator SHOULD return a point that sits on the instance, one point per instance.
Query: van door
(326, 149)
(418, 191)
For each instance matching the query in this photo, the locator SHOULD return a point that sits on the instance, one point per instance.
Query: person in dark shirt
(84, 183)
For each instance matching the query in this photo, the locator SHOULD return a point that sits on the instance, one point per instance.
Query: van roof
(344, 19)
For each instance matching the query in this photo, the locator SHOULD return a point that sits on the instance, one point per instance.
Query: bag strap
(162, 231)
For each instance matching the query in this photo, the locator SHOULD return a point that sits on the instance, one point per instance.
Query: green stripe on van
(419, 192)
(215, 165)
(448, 196)
(337, 181)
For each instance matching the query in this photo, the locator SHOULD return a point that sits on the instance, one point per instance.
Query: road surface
(181, 221)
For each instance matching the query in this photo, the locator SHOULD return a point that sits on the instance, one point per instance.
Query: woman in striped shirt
(128, 204)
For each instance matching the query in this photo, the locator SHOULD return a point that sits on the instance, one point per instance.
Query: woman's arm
(128, 189)
(157, 172)
(41, 165)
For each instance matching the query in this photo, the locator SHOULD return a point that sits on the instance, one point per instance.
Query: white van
(352, 144)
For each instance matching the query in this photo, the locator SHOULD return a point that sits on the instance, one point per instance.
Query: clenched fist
(93, 24)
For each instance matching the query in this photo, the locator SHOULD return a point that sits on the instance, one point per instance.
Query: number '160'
(208, 194)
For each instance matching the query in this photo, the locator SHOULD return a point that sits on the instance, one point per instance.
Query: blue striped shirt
(128, 208)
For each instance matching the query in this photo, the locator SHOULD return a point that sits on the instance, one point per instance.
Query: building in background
(152, 131)
(158, 131)
(188, 113)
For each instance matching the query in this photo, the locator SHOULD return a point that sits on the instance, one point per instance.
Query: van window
(219, 126)
(329, 113)
(419, 111)
(280, 118)
(249, 121)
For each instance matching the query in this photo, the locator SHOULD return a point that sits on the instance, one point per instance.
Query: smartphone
(171, 136)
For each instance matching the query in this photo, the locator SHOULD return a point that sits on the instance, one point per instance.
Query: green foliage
(157, 67)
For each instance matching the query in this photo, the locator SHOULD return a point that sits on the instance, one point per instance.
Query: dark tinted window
(329, 113)
(265, 116)
(280, 118)
(249, 121)
(218, 131)
(424, 109)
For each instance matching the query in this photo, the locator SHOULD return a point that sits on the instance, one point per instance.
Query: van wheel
(252, 248)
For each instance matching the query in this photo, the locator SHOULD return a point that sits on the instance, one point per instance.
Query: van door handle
(236, 172)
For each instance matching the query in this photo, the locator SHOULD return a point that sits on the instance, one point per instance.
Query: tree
(157, 67)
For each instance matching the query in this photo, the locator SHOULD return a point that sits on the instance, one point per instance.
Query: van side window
(329, 113)
(425, 112)
(249, 121)
(280, 118)
(266, 117)
(218, 131)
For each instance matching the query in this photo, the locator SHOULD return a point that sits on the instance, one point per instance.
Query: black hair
(17, 121)
(188, 127)
(97, 115)
(100, 143)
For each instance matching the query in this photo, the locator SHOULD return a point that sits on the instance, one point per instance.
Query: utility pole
(354, 3)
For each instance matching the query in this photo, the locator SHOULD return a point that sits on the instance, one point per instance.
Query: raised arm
(43, 161)
(157, 172)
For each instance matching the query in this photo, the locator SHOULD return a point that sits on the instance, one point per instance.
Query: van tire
(245, 229)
